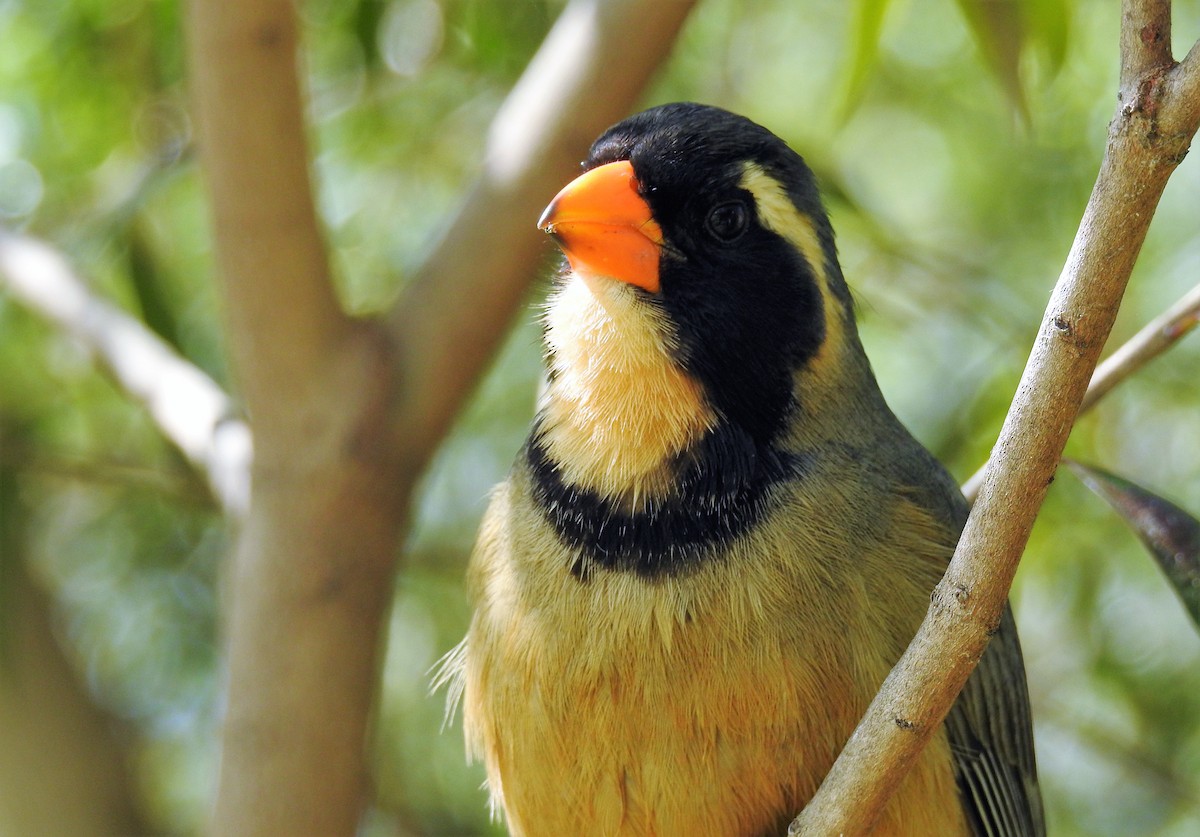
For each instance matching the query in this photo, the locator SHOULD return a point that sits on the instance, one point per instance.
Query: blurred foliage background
(954, 212)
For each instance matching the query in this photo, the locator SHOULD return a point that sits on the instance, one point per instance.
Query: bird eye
(727, 221)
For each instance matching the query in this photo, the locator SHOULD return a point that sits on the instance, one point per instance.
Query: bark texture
(346, 413)
(1157, 115)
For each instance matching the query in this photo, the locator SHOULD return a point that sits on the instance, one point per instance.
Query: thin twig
(1149, 136)
(187, 406)
(179, 486)
(1160, 334)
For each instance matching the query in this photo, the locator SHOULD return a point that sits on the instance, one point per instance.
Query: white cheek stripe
(777, 213)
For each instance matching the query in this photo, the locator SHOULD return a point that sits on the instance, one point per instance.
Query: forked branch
(1157, 115)
(1158, 335)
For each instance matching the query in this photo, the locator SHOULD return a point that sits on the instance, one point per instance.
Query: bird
(717, 539)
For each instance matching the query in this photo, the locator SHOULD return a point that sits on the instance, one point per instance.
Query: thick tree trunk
(345, 414)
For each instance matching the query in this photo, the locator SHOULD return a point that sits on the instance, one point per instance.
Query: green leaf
(1170, 533)
(865, 31)
(1049, 26)
(1000, 30)
(152, 297)
(368, 15)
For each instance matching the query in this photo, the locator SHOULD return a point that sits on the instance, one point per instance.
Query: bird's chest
(710, 701)
(677, 706)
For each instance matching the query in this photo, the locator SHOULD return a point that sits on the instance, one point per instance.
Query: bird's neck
(628, 462)
(618, 411)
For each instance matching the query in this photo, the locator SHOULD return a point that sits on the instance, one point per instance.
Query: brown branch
(343, 421)
(1160, 334)
(450, 319)
(1148, 138)
(1156, 337)
(309, 583)
(1145, 38)
(187, 406)
(284, 319)
(1184, 86)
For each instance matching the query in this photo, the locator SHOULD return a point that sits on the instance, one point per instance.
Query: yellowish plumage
(718, 539)
(713, 680)
(618, 408)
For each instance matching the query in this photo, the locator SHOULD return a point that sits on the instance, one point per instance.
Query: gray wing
(991, 738)
(989, 726)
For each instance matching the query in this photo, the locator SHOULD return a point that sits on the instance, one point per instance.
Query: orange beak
(605, 227)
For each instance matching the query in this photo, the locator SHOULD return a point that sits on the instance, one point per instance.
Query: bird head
(713, 227)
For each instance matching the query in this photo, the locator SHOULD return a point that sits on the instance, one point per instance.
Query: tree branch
(190, 410)
(1149, 136)
(450, 319)
(343, 421)
(255, 162)
(1155, 337)
(1160, 334)
(1145, 38)
(1184, 85)
(312, 571)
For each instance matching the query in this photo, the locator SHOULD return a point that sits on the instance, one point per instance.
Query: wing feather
(991, 740)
